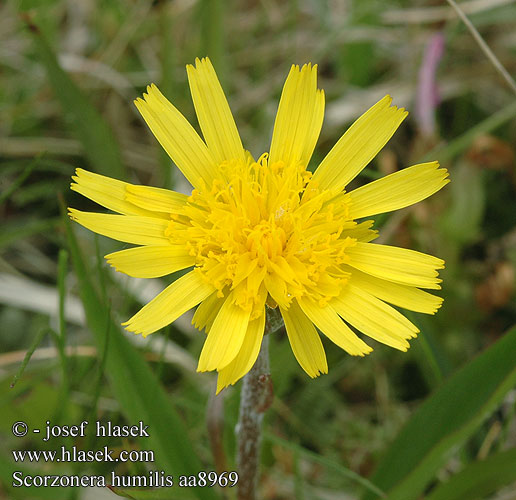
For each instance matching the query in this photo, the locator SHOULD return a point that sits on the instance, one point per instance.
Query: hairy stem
(255, 398)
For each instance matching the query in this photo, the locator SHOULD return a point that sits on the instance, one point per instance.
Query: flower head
(267, 232)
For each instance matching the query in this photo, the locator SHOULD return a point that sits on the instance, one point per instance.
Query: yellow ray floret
(178, 137)
(127, 228)
(266, 232)
(374, 318)
(207, 311)
(399, 265)
(328, 321)
(305, 341)
(220, 348)
(246, 357)
(398, 190)
(125, 198)
(155, 199)
(110, 193)
(179, 297)
(359, 145)
(151, 261)
(404, 296)
(299, 118)
(212, 109)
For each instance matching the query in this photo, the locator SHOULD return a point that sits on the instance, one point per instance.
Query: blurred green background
(398, 424)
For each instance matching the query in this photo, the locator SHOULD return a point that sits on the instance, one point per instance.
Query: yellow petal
(207, 311)
(179, 297)
(127, 228)
(151, 261)
(305, 341)
(399, 265)
(328, 321)
(359, 145)
(245, 266)
(397, 190)
(374, 317)
(155, 199)
(404, 296)
(215, 118)
(178, 137)
(110, 193)
(246, 357)
(277, 288)
(299, 118)
(361, 232)
(225, 337)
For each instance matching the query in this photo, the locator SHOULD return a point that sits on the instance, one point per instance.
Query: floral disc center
(267, 232)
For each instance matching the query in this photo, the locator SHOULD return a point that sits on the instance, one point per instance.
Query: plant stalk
(255, 399)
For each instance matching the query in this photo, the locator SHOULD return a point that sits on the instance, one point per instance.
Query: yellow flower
(268, 232)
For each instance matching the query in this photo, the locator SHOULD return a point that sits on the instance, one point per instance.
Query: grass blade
(446, 419)
(314, 457)
(22, 228)
(100, 146)
(7, 469)
(479, 479)
(458, 145)
(4, 196)
(138, 391)
(30, 352)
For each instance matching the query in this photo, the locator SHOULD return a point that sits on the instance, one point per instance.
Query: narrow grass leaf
(213, 23)
(7, 469)
(135, 386)
(479, 479)
(100, 146)
(445, 420)
(62, 268)
(4, 195)
(37, 340)
(430, 356)
(59, 337)
(314, 457)
(168, 62)
(445, 154)
(20, 229)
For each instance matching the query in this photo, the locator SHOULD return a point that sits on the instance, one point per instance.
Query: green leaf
(4, 196)
(445, 420)
(326, 462)
(431, 358)
(479, 479)
(22, 228)
(448, 152)
(135, 386)
(7, 469)
(31, 400)
(100, 146)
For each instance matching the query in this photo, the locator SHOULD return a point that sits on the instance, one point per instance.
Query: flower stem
(255, 399)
